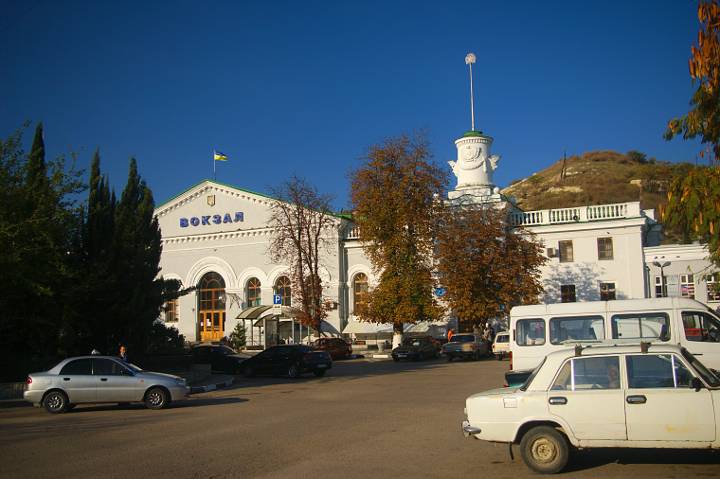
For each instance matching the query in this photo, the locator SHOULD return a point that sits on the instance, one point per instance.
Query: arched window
(283, 288)
(211, 307)
(360, 293)
(253, 292)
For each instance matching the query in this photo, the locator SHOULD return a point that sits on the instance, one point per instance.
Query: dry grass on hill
(597, 177)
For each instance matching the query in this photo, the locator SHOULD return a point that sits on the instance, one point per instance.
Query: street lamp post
(662, 267)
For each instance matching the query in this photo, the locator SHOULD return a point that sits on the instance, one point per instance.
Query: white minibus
(537, 330)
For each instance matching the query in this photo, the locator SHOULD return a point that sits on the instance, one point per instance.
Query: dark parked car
(337, 347)
(416, 349)
(288, 360)
(220, 358)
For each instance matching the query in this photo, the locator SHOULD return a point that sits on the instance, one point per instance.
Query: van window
(580, 328)
(701, 327)
(641, 326)
(530, 332)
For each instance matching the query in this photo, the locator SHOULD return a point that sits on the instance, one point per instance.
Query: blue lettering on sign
(212, 219)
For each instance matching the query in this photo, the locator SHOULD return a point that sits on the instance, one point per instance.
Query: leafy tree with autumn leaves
(694, 199)
(703, 120)
(395, 197)
(485, 265)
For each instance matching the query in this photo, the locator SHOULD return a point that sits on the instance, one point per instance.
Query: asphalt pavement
(366, 419)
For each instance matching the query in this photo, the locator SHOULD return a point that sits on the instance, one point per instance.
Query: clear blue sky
(305, 87)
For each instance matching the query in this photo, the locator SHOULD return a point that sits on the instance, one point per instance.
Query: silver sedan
(101, 379)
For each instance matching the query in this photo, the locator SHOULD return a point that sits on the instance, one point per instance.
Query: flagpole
(214, 174)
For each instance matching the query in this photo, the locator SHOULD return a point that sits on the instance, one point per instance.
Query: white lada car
(642, 395)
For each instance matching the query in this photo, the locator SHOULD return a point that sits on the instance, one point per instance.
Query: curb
(211, 387)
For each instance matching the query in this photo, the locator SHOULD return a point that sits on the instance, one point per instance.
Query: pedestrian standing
(450, 334)
(123, 353)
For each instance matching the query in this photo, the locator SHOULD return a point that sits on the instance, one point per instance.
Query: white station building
(215, 241)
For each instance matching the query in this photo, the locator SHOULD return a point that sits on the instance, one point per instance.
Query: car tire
(156, 398)
(449, 358)
(544, 450)
(396, 359)
(319, 373)
(499, 356)
(293, 371)
(55, 402)
(248, 371)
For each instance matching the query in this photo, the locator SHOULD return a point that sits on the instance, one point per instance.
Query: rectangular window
(687, 286)
(171, 313)
(701, 327)
(605, 248)
(588, 373)
(641, 326)
(659, 287)
(530, 332)
(607, 291)
(578, 328)
(566, 251)
(713, 286)
(567, 293)
(650, 371)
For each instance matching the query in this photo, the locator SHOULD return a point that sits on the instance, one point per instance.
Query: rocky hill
(597, 177)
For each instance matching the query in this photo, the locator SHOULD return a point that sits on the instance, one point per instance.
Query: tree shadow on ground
(351, 370)
(592, 458)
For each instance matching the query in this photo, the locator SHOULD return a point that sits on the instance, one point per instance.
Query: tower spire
(469, 60)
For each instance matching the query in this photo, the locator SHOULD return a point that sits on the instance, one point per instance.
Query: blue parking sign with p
(277, 299)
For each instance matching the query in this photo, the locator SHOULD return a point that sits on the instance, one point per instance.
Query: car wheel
(156, 398)
(499, 356)
(319, 373)
(449, 358)
(293, 371)
(544, 450)
(248, 371)
(55, 402)
(396, 359)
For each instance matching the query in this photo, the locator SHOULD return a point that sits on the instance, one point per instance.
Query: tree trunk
(397, 335)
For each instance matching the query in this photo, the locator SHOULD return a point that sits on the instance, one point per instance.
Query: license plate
(321, 366)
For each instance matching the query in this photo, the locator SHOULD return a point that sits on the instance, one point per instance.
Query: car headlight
(181, 381)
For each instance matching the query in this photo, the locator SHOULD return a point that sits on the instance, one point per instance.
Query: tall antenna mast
(469, 60)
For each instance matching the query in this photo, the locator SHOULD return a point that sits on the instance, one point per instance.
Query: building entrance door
(211, 308)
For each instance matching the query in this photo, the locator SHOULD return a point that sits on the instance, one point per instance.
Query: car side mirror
(696, 384)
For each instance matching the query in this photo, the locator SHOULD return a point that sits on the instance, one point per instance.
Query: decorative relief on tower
(475, 166)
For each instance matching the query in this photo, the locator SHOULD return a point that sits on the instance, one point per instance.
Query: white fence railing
(576, 214)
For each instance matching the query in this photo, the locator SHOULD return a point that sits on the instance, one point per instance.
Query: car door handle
(66, 379)
(103, 379)
(697, 354)
(636, 399)
(557, 400)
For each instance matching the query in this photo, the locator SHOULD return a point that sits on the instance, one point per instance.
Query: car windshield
(709, 376)
(530, 378)
(463, 338)
(132, 367)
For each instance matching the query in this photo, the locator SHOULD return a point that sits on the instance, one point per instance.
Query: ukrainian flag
(217, 156)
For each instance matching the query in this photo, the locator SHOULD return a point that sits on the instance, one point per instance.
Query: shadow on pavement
(589, 459)
(349, 370)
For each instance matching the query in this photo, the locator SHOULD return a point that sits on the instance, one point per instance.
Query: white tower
(475, 165)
